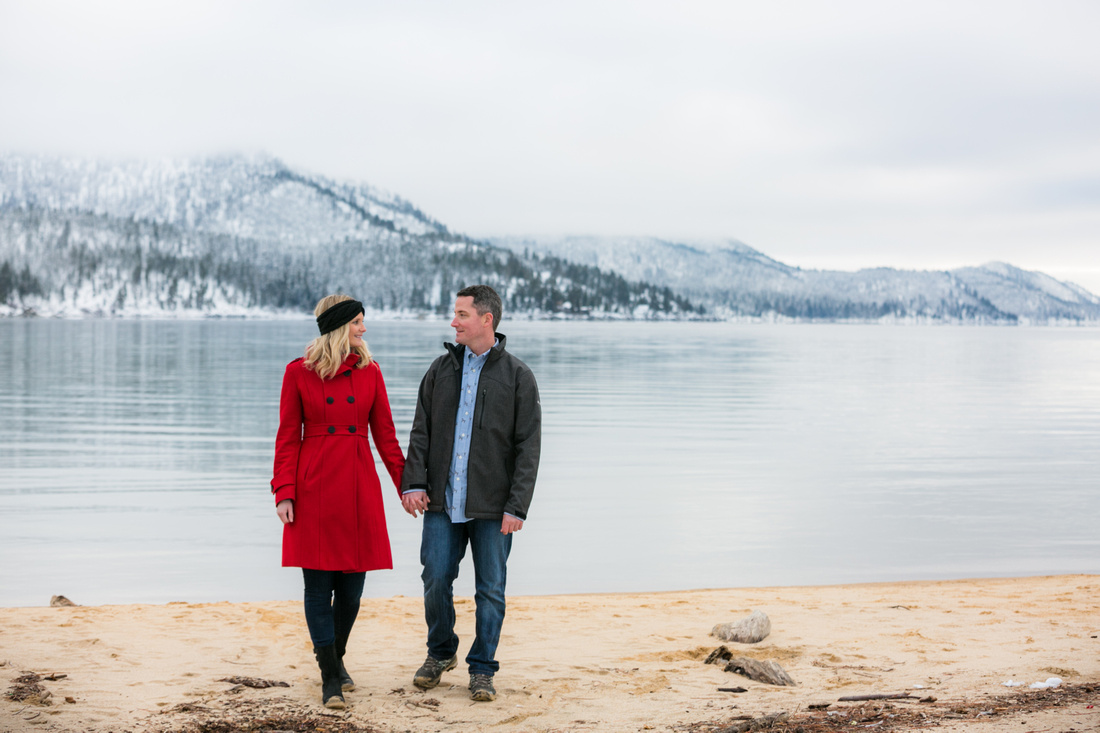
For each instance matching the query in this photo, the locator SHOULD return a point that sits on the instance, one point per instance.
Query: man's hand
(285, 510)
(510, 524)
(415, 502)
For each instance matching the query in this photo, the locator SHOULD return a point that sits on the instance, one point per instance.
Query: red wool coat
(324, 463)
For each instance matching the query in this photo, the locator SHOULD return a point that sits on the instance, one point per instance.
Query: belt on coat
(322, 429)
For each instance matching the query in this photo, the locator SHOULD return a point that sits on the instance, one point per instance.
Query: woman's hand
(415, 502)
(285, 509)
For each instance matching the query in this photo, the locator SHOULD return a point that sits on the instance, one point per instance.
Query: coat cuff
(284, 492)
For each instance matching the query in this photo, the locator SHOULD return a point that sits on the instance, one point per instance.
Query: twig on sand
(253, 682)
(825, 665)
(888, 715)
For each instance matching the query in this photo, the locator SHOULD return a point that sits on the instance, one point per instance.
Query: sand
(622, 662)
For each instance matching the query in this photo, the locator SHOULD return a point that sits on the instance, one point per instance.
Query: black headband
(338, 315)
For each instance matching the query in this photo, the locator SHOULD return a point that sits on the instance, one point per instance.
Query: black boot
(347, 684)
(330, 676)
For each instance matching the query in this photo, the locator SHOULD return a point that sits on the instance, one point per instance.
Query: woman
(327, 493)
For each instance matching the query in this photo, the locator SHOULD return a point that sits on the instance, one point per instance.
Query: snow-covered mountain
(253, 197)
(239, 235)
(731, 278)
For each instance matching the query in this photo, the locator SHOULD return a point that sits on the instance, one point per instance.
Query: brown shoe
(429, 673)
(481, 688)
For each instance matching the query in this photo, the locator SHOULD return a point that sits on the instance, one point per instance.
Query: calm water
(135, 456)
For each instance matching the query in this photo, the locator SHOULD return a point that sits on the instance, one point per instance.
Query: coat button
(351, 428)
(329, 400)
(351, 399)
(331, 429)
(347, 373)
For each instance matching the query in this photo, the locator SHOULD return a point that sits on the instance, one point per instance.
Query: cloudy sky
(839, 135)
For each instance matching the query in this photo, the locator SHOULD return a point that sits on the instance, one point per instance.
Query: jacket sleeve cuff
(415, 487)
(284, 492)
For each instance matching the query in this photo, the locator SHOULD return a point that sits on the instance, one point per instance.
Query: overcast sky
(825, 134)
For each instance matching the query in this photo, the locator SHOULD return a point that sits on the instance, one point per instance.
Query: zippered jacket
(506, 439)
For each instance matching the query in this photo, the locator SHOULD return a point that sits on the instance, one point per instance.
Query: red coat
(324, 463)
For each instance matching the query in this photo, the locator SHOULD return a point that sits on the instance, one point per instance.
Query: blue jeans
(332, 603)
(442, 547)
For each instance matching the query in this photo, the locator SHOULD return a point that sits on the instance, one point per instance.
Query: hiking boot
(429, 673)
(481, 688)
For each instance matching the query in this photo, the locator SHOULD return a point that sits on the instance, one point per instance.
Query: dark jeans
(332, 603)
(442, 547)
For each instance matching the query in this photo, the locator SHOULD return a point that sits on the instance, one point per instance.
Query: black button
(329, 400)
(351, 428)
(347, 373)
(331, 429)
(351, 399)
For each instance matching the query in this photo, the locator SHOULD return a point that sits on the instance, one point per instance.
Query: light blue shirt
(464, 424)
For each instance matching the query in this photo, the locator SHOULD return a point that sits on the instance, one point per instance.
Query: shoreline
(616, 662)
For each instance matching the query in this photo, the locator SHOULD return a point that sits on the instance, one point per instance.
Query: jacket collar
(458, 351)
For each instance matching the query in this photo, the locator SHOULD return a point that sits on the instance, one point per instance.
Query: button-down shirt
(464, 423)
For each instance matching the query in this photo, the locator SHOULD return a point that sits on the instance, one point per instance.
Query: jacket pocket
(479, 415)
(305, 479)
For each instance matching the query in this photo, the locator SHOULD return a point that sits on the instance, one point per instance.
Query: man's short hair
(486, 300)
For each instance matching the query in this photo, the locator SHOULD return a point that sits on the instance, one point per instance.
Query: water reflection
(134, 456)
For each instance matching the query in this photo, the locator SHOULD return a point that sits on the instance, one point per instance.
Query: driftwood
(253, 682)
(761, 723)
(721, 653)
(767, 672)
(861, 698)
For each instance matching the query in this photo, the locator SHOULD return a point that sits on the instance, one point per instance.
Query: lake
(135, 456)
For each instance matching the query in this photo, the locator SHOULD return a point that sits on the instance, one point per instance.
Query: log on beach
(765, 671)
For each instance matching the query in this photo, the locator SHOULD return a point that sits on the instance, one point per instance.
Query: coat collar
(458, 351)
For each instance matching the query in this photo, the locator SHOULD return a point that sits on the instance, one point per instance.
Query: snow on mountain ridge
(251, 232)
(740, 279)
(234, 232)
(248, 196)
(1065, 291)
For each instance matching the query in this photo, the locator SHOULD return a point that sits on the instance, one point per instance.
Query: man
(473, 458)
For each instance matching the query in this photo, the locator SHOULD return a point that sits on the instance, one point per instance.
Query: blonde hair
(326, 353)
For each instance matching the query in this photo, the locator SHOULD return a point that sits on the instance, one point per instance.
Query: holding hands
(415, 502)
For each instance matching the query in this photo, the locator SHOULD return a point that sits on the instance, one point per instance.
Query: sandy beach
(626, 662)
